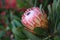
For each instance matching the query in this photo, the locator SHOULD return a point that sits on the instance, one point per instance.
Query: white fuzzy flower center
(30, 15)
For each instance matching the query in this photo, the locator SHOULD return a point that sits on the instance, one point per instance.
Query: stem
(55, 30)
(35, 3)
(47, 37)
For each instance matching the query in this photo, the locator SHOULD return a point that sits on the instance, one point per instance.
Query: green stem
(47, 37)
(55, 30)
(35, 3)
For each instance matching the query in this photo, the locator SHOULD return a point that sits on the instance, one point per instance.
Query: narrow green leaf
(13, 27)
(58, 28)
(2, 33)
(20, 35)
(31, 36)
(17, 23)
(57, 38)
(40, 31)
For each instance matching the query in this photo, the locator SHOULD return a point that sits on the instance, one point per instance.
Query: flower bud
(33, 18)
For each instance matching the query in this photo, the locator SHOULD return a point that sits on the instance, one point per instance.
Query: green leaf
(54, 5)
(13, 27)
(18, 15)
(2, 27)
(19, 35)
(57, 38)
(11, 15)
(58, 28)
(40, 7)
(54, 16)
(3, 2)
(40, 31)
(45, 4)
(18, 32)
(2, 33)
(31, 36)
(23, 3)
(17, 23)
(6, 38)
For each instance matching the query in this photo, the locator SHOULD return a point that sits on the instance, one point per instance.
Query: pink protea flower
(0, 3)
(3, 13)
(10, 4)
(33, 18)
(3, 22)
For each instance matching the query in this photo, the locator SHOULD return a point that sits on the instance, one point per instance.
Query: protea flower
(3, 13)
(0, 3)
(33, 18)
(10, 4)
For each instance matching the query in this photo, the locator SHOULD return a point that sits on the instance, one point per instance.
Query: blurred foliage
(13, 20)
(24, 3)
